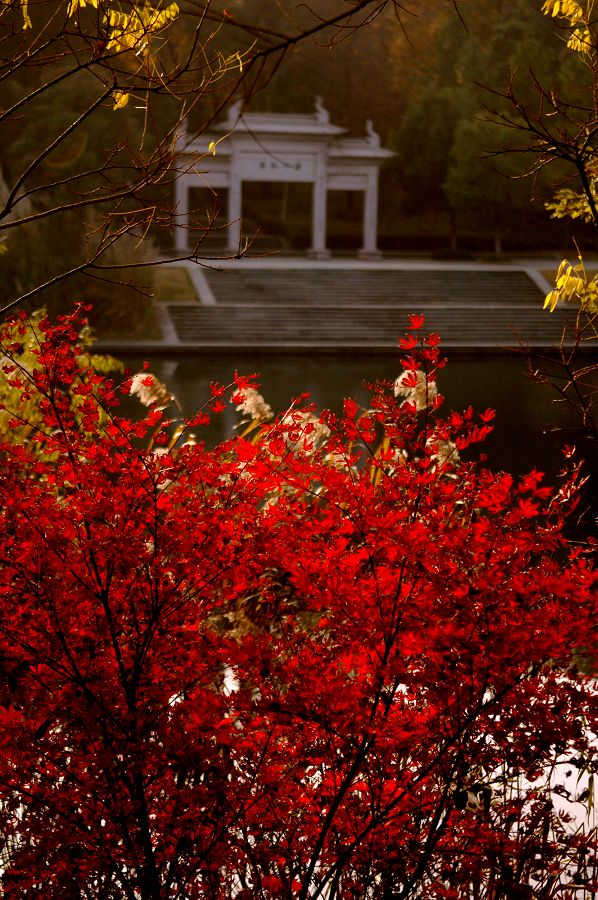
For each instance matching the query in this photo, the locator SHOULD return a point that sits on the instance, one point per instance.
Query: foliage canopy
(326, 659)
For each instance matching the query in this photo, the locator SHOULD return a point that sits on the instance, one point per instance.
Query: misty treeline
(435, 85)
(91, 105)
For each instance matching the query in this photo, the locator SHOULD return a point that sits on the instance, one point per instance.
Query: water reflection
(527, 416)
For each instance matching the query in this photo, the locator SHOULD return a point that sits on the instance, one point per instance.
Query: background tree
(557, 130)
(444, 139)
(93, 100)
(489, 193)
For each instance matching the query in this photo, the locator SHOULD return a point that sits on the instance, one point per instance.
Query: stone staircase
(360, 309)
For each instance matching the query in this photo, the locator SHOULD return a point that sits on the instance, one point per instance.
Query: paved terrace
(276, 303)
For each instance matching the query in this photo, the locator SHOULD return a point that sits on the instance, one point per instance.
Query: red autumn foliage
(327, 659)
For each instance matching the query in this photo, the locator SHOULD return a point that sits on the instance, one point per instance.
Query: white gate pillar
(181, 220)
(234, 211)
(318, 216)
(370, 218)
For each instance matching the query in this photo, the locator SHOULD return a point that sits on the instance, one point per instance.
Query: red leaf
(408, 342)
(416, 322)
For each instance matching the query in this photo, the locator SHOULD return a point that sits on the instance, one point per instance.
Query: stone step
(269, 325)
(355, 287)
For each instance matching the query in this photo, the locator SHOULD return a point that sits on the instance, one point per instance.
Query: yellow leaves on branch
(571, 204)
(24, 4)
(132, 30)
(566, 9)
(126, 30)
(582, 38)
(572, 285)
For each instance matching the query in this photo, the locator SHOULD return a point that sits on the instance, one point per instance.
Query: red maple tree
(327, 658)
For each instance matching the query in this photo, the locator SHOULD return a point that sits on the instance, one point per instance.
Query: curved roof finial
(322, 114)
(373, 136)
(234, 113)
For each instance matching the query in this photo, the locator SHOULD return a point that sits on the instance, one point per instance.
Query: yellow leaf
(26, 19)
(74, 5)
(120, 99)
(212, 148)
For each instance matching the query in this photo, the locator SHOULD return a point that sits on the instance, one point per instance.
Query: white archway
(282, 148)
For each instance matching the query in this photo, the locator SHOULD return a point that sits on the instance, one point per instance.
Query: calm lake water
(530, 427)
